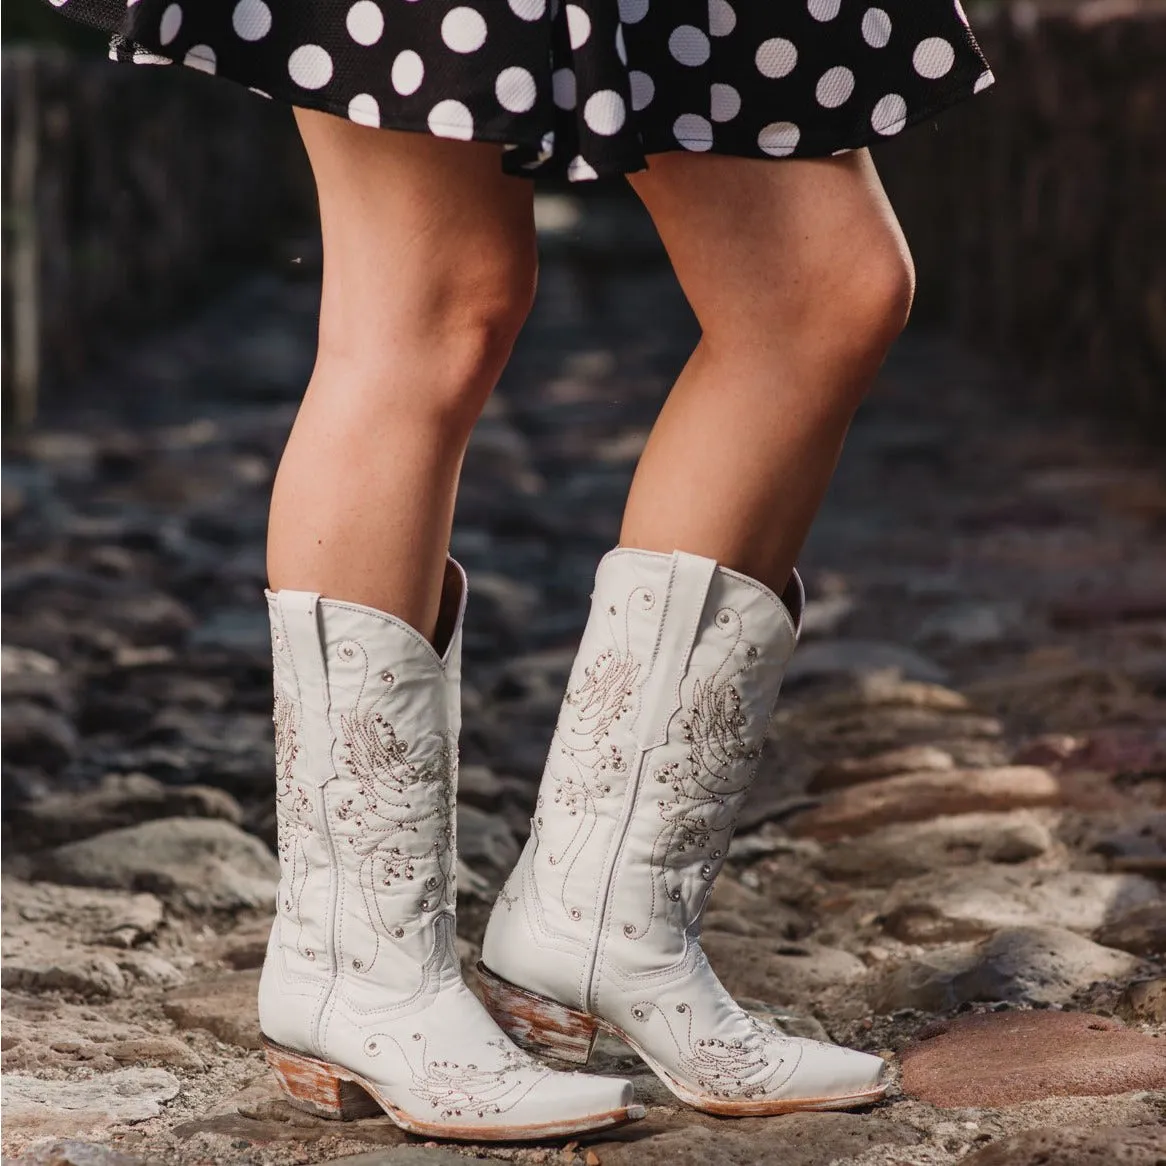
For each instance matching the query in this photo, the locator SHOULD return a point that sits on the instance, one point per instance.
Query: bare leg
(429, 272)
(800, 278)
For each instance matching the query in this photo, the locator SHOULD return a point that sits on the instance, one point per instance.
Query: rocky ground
(954, 855)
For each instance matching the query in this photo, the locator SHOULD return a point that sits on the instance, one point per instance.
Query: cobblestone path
(953, 857)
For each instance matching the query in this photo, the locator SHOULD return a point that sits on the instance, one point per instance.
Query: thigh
(411, 222)
(751, 236)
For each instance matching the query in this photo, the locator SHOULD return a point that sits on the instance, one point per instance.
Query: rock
(121, 800)
(485, 839)
(226, 1006)
(33, 1106)
(201, 864)
(1144, 1000)
(68, 1152)
(80, 941)
(914, 796)
(890, 763)
(36, 736)
(45, 1033)
(1006, 1058)
(113, 918)
(797, 1139)
(891, 853)
(1075, 1146)
(968, 904)
(775, 970)
(1141, 930)
(480, 786)
(824, 615)
(1029, 965)
(856, 659)
(404, 1156)
(1137, 844)
(971, 624)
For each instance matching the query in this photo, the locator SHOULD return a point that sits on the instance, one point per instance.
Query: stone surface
(890, 763)
(226, 1006)
(891, 853)
(1076, 1146)
(1005, 1058)
(202, 864)
(70, 1152)
(767, 970)
(969, 903)
(33, 1106)
(1141, 929)
(822, 660)
(485, 842)
(80, 940)
(911, 797)
(1022, 965)
(1144, 1000)
(120, 800)
(800, 1139)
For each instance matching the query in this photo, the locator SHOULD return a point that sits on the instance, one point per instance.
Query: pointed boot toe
(831, 1077)
(580, 1101)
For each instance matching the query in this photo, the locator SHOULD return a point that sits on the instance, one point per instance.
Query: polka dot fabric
(590, 87)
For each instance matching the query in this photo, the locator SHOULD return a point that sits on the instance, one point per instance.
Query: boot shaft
(366, 719)
(655, 749)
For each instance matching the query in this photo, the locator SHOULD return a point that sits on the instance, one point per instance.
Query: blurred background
(965, 796)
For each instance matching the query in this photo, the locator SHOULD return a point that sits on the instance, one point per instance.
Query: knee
(866, 313)
(434, 343)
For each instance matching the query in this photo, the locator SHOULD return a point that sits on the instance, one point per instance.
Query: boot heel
(314, 1086)
(541, 1026)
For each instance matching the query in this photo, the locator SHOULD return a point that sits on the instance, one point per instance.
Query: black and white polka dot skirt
(590, 85)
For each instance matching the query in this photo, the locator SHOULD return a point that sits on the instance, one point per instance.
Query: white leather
(655, 749)
(361, 968)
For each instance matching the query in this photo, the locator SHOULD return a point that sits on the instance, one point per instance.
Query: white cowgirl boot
(656, 746)
(361, 1002)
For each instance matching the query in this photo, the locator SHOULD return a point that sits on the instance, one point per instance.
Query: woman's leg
(801, 279)
(429, 272)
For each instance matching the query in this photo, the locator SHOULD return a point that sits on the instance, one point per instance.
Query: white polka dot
(171, 23)
(451, 119)
(933, 57)
(200, 57)
(632, 11)
(834, 87)
(722, 18)
(876, 28)
(983, 81)
(463, 30)
(365, 22)
(528, 9)
(689, 45)
(643, 89)
(959, 11)
(515, 89)
(776, 57)
(310, 67)
(726, 102)
(824, 9)
(578, 26)
(563, 88)
(621, 49)
(363, 110)
(889, 115)
(251, 20)
(693, 132)
(580, 171)
(604, 112)
(779, 138)
(407, 73)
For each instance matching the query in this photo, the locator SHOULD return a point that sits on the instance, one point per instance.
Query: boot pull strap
(299, 614)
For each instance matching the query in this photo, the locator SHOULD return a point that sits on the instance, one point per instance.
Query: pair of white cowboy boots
(362, 1003)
